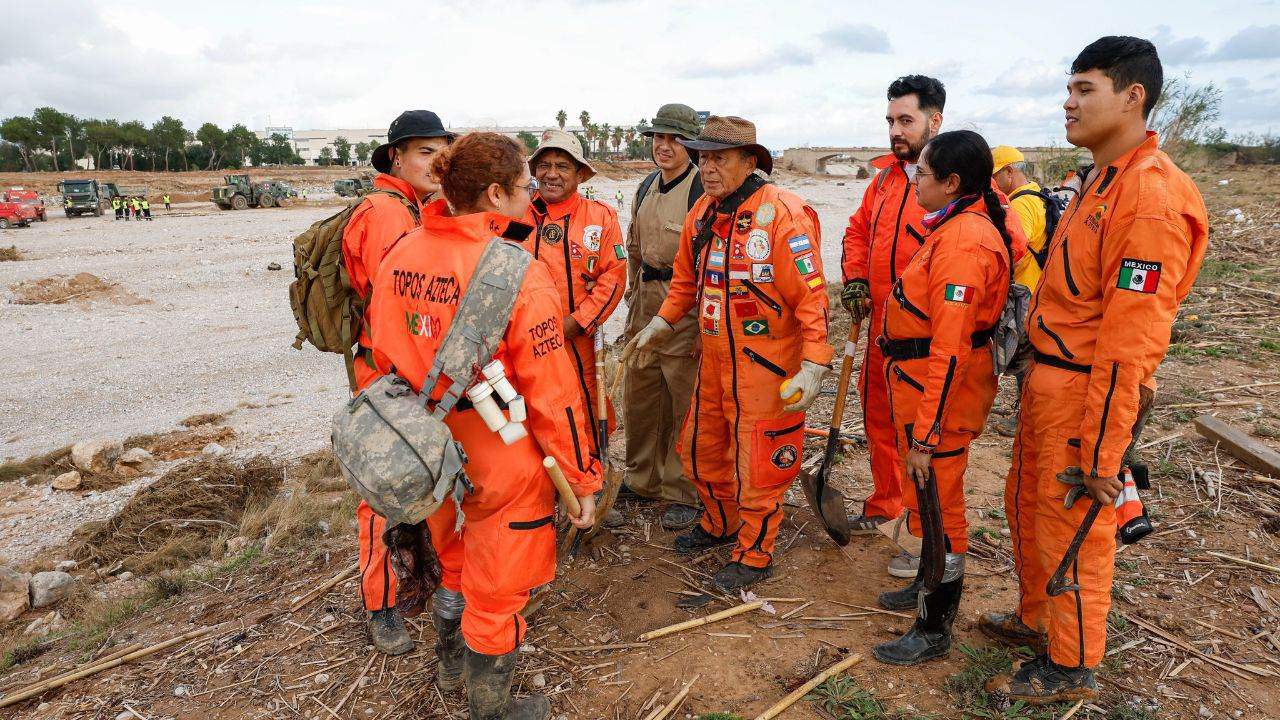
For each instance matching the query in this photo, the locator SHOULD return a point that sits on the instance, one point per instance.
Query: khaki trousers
(655, 401)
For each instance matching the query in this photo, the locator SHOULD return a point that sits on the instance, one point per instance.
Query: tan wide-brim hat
(725, 133)
(555, 139)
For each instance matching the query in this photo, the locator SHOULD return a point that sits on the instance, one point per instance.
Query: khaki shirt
(653, 239)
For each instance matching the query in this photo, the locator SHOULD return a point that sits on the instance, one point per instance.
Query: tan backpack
(329, 313)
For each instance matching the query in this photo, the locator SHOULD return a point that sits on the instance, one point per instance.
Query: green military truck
(353, 187)
(82, 197)
(239, 193)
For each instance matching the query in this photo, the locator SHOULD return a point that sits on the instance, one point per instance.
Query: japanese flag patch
(1139, 275)
(959, 293)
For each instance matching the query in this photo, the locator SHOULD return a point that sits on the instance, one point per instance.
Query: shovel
(826, 502)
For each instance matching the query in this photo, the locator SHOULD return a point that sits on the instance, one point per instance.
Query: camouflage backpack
(328, 312)
(392, 443)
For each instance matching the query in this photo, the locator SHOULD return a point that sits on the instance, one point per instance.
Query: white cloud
(1252, 43)
(1027, 79)
(857, 38)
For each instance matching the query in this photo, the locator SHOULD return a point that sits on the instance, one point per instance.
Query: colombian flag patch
(959, 293)
(1139, 275)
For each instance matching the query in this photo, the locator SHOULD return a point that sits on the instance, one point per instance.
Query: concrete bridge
(816, 159)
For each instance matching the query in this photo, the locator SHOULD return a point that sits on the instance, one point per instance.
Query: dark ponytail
(964, 153)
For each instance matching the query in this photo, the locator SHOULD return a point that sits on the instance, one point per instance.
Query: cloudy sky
(807, 72)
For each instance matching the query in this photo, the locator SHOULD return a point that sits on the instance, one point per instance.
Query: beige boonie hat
(555, 139)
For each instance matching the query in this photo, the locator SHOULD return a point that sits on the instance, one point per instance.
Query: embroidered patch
(754, 328)
(785, 456)
(758, 246)
(814, 282)
(799, 244)
(739, 275)
(711, 316)
(764, 214)
(745, 309)
(805, 265)
(591, 262)
(715, 260)
(738, 291)
(591, 237)
(619, 252)
(1139, 275)
(736, 252)
(715, 278)
(1094, 219)
(717, 243)
(762, 272)
(743, 221)
(575, 251)
(552, 234)
(958, 293)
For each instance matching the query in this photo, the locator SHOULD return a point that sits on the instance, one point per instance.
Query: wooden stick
(1072, 712)
(1247, 563)
(804, 689)
(1231, 667)
(667, 709)
(562, 486)
(333, 582)
(593, 648)
(699, 622)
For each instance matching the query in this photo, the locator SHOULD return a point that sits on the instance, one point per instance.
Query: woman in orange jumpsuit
(505, 545)
(938, 324)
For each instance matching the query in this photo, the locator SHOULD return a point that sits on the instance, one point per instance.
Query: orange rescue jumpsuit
(506, 547)
(883, 235)
(1125, 254)
(762, 303)
(937, 345)
(581, 243)
(373, 227)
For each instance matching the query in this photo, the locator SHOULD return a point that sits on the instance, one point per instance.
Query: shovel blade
(827, 504)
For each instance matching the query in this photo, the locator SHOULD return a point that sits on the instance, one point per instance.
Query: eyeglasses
(921, 172)
(564, 168)
(531, 188)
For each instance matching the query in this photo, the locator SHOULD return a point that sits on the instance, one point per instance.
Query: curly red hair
(475, 161)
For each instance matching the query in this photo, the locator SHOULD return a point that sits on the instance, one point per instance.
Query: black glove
(855, 296)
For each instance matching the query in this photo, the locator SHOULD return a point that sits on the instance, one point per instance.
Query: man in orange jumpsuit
(1125, 254)
(403, 164)
(938, 326)
(581, 243)
(749, 260)
(506, 546)
(882, 236)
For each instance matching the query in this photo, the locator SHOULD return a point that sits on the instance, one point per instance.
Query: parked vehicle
(239, 193)
(82, 197)
(18, 214)
(28, 197)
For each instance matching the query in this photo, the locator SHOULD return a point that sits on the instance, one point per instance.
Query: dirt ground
(215, 338)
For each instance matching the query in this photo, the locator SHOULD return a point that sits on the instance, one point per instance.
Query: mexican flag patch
(1139, 275)
(959, 293)
(804, 264)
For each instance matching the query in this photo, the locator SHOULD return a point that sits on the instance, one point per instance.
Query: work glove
(855, 296)
(801, 390)
(639, 352)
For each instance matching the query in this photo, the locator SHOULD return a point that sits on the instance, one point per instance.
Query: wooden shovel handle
(562, 486)
(846, 374)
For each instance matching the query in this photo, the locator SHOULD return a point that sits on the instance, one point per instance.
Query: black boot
(735, 575)
(905, 598)
(450, 648)
(697, 540)
(930, 636)
(489, 689)
(1041, 681)
(388, 632)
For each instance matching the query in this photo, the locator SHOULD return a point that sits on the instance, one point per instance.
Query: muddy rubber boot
(697, 540)
(489, 689)
(680, 516)
(1008, 629)
(930, 636)
(905, 598)
(735, 575)
(388, 632)
(450, 649)
(1041, 681)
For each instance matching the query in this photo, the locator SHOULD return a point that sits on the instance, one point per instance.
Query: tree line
(50, 139)
(627, 142)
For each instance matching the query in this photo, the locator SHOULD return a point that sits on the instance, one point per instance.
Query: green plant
(842, 698)
(719, 716)
(968, 687)
(1129, 711)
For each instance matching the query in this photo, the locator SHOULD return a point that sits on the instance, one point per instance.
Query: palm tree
(584, 117)
(590, 132)
(561, 118)
(604, 138)
(631, 138)
(617, 139)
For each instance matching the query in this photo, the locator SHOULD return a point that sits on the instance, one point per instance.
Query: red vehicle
(15, 213)
(27, 197)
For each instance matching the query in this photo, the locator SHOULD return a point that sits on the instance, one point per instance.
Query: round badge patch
(785, 456)
(552, 234)
(764, 214)
(758, 247)
(591, 237)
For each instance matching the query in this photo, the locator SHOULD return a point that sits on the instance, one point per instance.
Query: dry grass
(11, 254)
(298, 519)
(51, 463)
(203, 419)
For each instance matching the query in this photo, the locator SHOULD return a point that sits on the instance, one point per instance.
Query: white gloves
(805, 384)
(639, 352)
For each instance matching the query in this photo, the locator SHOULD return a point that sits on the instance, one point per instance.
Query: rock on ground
(97, 455)
(69, 480)
(49, 588)
(15, 596)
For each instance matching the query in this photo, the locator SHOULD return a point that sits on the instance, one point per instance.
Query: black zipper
(912, 232)
(568, 263)
(901, 297)
(897, 227)
(1063, 222)
(785, 431)
(1066, 269)
(773, 304)
(1062, 347)
(760, 360)
(530, 524)
(907, 378)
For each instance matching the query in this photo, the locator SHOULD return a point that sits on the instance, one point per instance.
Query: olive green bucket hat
(675, 119)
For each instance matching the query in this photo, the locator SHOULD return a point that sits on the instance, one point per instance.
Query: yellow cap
(1003, 155)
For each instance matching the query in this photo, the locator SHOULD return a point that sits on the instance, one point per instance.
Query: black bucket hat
(410, 124)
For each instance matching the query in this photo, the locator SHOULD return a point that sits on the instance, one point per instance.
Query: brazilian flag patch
(755, 327)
